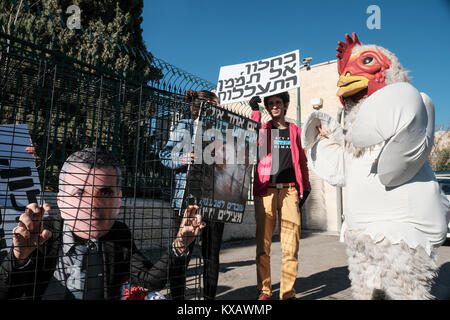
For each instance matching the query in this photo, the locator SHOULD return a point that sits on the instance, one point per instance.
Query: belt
(281, 185)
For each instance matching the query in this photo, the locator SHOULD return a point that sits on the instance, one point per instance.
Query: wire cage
(52, 106)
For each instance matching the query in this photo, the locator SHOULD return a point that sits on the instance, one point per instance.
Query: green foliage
(111, 35)
(439, 158)
(68, 105)
(70, 109)
(442, 161)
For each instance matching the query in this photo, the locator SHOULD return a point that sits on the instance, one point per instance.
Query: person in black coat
(211, 237)
(85, 253)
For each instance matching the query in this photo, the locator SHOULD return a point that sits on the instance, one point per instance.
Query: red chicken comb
(345, 50)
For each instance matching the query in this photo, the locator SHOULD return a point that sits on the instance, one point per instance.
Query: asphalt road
(322, 275)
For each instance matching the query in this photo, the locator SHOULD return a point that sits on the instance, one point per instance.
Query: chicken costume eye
(368, 61)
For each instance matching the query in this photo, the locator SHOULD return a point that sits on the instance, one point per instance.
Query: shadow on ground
(322, 284)
(317, 286)
(228, 266)
(314, 287)
(441, 287)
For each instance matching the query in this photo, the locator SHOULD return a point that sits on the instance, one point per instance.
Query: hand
(189, 229)
(254, 103)
(188, 158)
(304, 197)
(29, 233)
(323, 132)
(31, 150)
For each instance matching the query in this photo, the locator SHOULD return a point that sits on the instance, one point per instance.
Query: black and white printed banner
(240, 82)
(219, 181)
(19, 180)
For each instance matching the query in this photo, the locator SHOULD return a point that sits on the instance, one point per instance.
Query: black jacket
(122, 262)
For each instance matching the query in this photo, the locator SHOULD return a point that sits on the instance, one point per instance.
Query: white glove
(325, 154)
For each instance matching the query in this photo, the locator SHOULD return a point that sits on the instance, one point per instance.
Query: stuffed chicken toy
(395, 216)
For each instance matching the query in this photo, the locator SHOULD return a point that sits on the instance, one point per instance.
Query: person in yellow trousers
(280, 187)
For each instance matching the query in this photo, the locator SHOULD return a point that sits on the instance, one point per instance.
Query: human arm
(21, 273)
(154, 276)
(177, 152)
(189, 229)
(323, 139)
(254, 104)
(29, 233)
(304, 170)
(19, 282)
(303, 163)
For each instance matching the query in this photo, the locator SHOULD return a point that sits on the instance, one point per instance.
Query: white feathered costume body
(395, 215)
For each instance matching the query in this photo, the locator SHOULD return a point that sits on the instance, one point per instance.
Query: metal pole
(339, 189)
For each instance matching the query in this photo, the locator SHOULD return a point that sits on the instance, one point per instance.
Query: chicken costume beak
(349, 85)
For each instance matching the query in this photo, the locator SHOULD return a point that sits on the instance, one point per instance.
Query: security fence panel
(53, 107)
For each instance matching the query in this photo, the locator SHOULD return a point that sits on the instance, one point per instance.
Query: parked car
(443, 178)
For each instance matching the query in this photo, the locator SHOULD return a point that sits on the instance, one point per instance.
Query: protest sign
(240, 82)
(225, 147)
(19, 180)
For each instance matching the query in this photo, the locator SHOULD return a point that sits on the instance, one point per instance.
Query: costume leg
(409, 273)
(386, 271)
(265, 213)
(364, 269)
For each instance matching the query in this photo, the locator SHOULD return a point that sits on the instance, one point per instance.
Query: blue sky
(200, 36)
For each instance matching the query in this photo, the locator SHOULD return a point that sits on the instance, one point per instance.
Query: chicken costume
(395, 216)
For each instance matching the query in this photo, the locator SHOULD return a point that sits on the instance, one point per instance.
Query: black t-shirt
(281, 155)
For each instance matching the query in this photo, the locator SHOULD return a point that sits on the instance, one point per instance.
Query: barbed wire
(173, 78)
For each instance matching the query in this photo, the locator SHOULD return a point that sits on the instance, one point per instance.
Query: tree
(442, 162)
(440, 155)
(110, 33)
(68, 106)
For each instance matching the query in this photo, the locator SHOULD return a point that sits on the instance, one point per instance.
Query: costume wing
(403, 118)
(325, 155)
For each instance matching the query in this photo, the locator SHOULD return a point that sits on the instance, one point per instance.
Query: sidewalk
(322, 275)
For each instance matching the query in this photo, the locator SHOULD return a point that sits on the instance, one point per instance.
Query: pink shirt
(262, 175)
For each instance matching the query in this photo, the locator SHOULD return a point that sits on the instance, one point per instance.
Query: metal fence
(68, 105)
